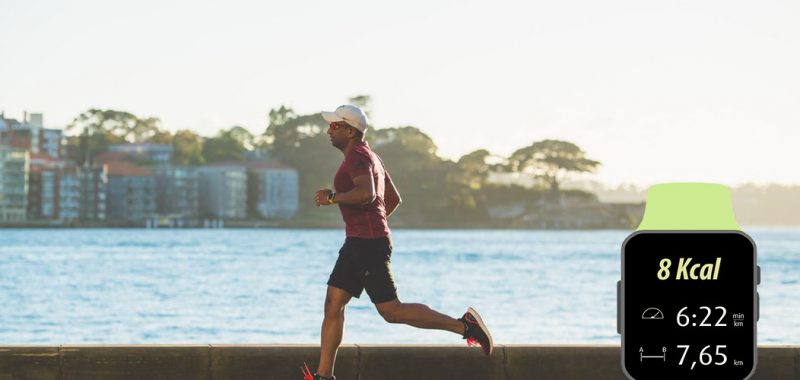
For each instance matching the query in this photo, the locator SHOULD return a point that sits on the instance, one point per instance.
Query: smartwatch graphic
(687, 302)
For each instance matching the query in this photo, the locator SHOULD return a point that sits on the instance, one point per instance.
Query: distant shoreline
(287, 227)
(242, 226)
(239, 226)
(273, 225)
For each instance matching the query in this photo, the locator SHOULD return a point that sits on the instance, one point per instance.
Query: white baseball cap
(349, 114)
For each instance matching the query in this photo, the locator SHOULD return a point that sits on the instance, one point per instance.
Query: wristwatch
(688, 301)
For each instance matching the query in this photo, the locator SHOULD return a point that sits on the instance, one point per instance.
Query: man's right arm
(392, 196)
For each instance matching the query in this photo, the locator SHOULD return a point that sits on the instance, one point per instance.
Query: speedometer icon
(652, 313)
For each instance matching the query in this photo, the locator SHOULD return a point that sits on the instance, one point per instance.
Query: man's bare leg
(418, 315)
(332, 329)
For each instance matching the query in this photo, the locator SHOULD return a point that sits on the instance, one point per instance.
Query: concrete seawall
(356, 362)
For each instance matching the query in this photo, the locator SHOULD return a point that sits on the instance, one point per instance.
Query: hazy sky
(656, 90)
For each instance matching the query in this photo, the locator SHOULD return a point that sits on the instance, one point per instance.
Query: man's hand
(322, 197)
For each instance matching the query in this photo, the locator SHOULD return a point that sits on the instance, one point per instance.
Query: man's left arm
(363, 192)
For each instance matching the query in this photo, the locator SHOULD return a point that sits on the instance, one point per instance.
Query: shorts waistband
(351, 239)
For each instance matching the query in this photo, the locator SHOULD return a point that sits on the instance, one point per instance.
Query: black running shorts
(365, 264)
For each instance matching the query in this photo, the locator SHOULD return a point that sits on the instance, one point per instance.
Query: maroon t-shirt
(367, 220)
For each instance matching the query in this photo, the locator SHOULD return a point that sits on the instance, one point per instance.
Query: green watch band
(688, 206)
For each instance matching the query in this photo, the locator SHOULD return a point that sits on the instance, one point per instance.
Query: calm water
(267, 286)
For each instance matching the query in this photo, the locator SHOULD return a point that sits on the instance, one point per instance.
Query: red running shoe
(308, 376)
(475, 331)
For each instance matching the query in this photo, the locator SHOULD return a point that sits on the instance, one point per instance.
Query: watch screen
(688, 305)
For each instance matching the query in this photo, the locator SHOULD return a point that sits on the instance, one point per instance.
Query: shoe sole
(483, 327)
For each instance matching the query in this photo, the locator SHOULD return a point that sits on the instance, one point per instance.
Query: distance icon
(663, 355)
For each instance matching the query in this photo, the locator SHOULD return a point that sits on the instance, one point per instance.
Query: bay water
(267, 286)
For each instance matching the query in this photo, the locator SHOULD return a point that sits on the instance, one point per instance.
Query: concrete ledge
(29, 362)
(563, 362)
(356, 362)
(428, 362)
(275, 362)
(134, 362)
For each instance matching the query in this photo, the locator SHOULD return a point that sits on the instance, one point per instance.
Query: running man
(366, 197)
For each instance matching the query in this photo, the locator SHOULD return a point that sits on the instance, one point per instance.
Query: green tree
(243, 136)
(421, 176)
(279, 116)
(276, 117)
(551, 160)
(407, 139)
(473, 169)
(97, 129)
(160, 137)
(225, 146)
(187, 148)
(146, 131)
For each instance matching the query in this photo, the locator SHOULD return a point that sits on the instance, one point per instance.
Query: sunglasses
(335, 126)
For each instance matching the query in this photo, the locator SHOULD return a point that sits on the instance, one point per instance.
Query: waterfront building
(43, 186)
(58, 190)
(14, 171)
(130, 193)
(223, 191)
(30, 134)
(93, 184)
(177, 192)
(158, 154)
(69, 196)
(273, 190)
